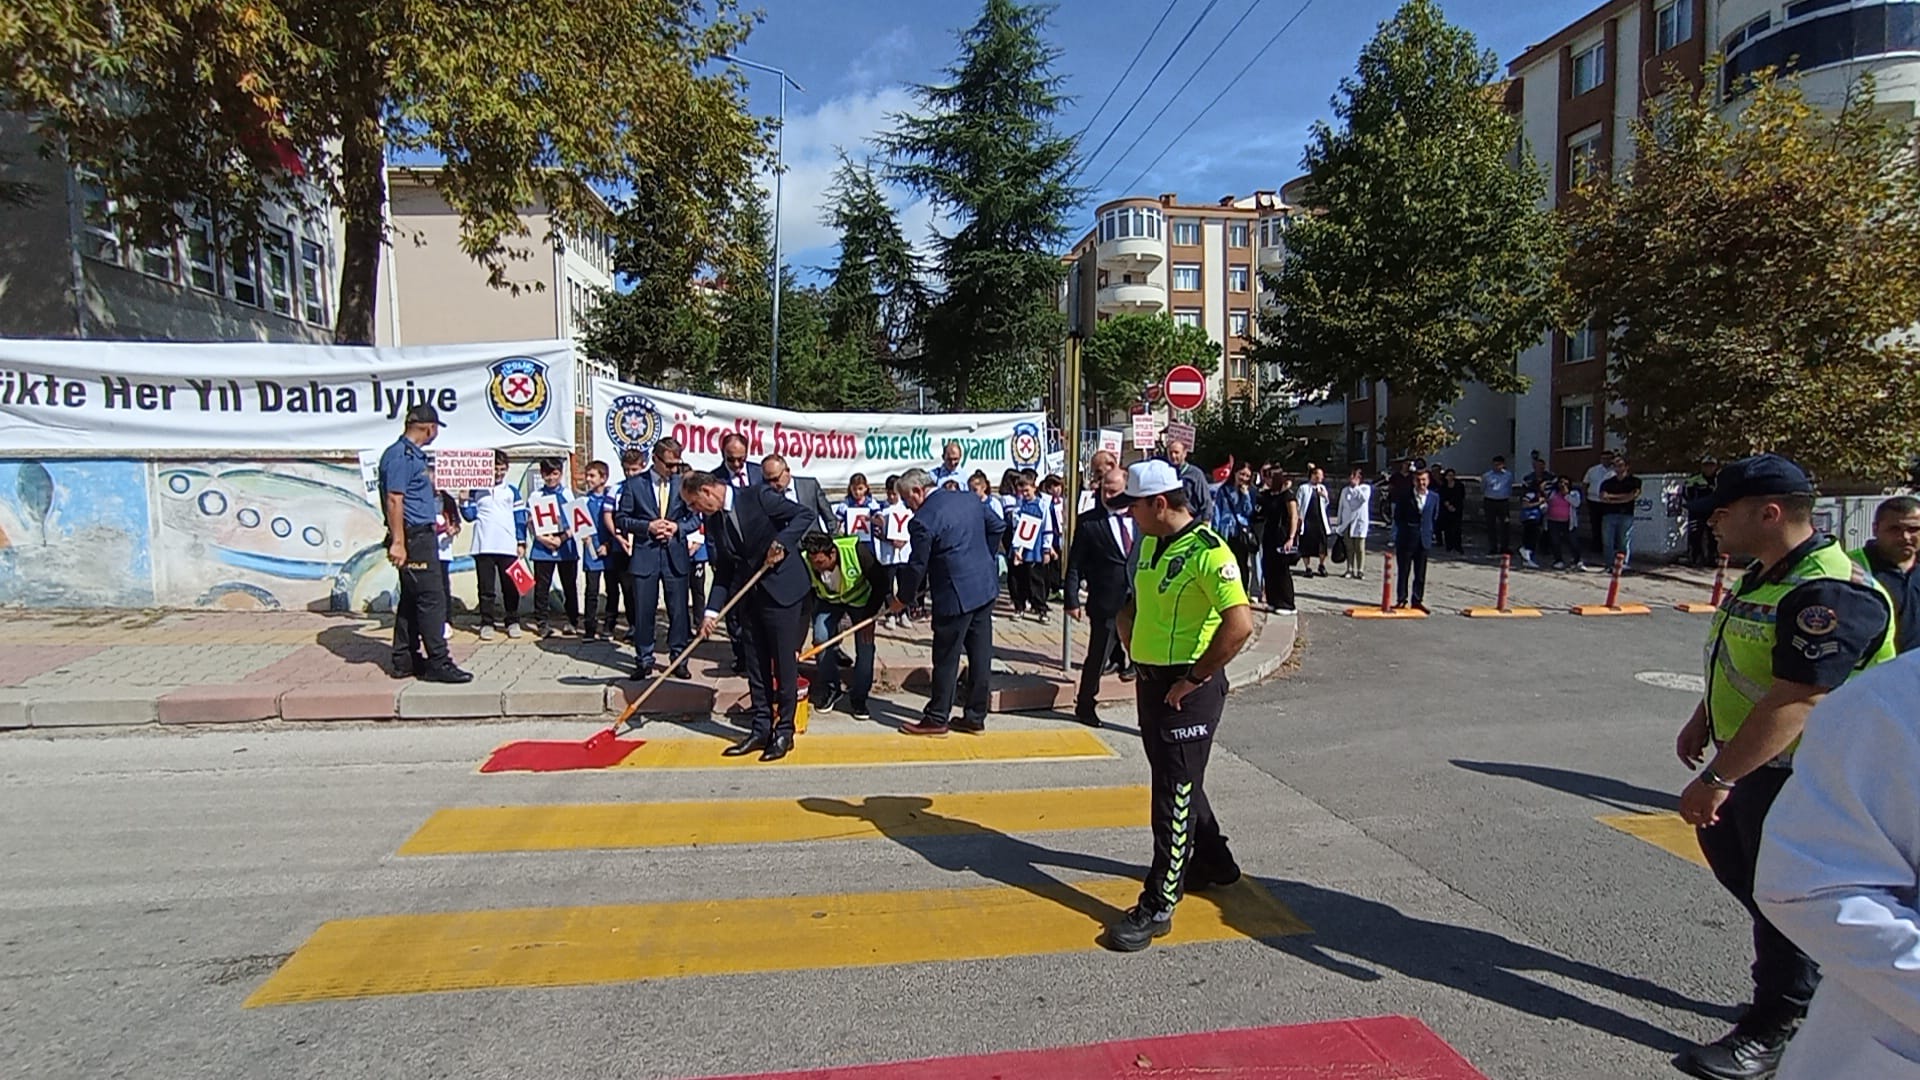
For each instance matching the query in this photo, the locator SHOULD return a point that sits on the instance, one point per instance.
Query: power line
(1117, 83)
(1177, 46)
(1175, 96)
(1271, 42)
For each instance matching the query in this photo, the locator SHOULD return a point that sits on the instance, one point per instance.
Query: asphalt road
(1422, 795)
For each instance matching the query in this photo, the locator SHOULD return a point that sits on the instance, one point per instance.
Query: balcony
(1132, 253)
(1130, 296)
(1272, 256)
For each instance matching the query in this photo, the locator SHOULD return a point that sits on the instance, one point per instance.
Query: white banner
(830, 447)
(67, 396)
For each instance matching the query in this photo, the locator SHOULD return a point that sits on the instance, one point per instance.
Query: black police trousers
(420, 616)
(1783, 977)
(1178, 742)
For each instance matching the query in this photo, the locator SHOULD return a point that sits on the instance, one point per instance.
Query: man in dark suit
(652, 512)
(751, 527)
(954, 535)
(804, 490)
(1102, 557)
(1414, 521)
(736, 471)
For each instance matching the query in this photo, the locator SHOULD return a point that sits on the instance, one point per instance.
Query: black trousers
(697, 585)
(1103, 632)
(616, 578)
(972, 632)
(1277, 568)
(1450, 528)
(1702, 546)
(1178, 743)
(645, 593)
(420, 617)
(569, 589)
(1499, 526)
(774, 634)
(592, 600)
(1412, 556)
(491, 580)
(1594, 517)
(1783, 977)
(1027, 587)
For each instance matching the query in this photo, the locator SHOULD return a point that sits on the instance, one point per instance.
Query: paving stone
(113, 706)
(441, 701)
(674, 698)
(539, 697)
(233, 703)
(13, 709)
(343, 701)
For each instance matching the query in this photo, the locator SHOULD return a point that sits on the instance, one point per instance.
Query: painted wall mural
(245, 535)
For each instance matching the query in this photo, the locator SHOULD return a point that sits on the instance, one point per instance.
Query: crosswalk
(1663, 830)
(1001, 881)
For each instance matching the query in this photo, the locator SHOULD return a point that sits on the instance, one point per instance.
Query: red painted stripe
(538, 756)
(1382, 1048)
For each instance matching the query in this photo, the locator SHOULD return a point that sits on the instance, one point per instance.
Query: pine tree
(877, 298)
(985, 151)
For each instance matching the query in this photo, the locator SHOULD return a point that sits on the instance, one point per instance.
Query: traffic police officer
(1803, 619)
(843, 569)
(1188, 617)
(420, 617)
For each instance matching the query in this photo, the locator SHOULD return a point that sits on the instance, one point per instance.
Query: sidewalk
(99, 668)
(1455, 582)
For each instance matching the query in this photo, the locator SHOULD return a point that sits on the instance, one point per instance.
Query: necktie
(740, 479)
(1124, 526)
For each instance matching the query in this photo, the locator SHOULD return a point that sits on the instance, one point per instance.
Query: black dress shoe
(643, 672)
(683, 672)
(1086, 715)
(448, 674)
(1751, 1051)
(1127, 673)
(745, 746)
(968, 727)
(780, 747)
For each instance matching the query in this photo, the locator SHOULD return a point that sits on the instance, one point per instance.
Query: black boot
(1751, 1051)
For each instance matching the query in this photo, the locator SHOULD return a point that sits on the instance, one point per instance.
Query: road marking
(1685, 682)
(1664, 831)
(874, 748)
(582, 946)
(474, 830)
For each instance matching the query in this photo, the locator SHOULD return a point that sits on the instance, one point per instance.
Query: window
(1746, 33)
(1273, 231)
(160, 261)
(1186, 277)
(1237, 234)
(1186, 232)
(1583, 157)
(243, 274)
(1808, 7)
(1129, 223)
(1238, 278)
(1576, 422)
(276, 260)
(1187, 317)
(1583, 345)
(1589, 69)
(313, 282)
(1237, 323)
(1673, 24)
(97, 237)
(203, 271)
(1241, 368)
(1360, 444)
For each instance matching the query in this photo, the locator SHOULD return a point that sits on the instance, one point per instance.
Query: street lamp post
(779, 171)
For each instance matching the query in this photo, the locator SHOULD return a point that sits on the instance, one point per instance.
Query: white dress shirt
(1356, 510)
(1838, 869)
(1595, 477)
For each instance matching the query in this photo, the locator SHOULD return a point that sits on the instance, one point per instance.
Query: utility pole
(779, 173)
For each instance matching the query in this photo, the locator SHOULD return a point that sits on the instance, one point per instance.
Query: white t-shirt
(1594, 478)
(493, 521)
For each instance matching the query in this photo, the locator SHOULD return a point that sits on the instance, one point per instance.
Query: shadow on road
(1350, 933)
(1614, 794)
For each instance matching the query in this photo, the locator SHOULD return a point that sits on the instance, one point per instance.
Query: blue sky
(856, 58)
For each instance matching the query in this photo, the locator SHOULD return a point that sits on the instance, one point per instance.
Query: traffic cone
(1694, 607)
(1386, 610)
(1613, 606)
(1501, 608)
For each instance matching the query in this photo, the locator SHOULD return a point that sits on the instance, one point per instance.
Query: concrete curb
(240, 703)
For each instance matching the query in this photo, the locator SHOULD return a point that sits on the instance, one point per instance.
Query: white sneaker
(1285, 611)
(486, 631)
(513, 630)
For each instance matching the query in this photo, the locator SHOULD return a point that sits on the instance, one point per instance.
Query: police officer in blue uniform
(420, 617)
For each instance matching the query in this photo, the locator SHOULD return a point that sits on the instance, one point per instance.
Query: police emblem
(633, 422)
(1817, 619)
(518, 393)
(1026, 444)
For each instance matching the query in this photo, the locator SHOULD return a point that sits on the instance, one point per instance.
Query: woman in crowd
(1316, 526)
(1453, 511)
(1355, 519)
(1279, 540)
(1233, 507)
(1563, 510)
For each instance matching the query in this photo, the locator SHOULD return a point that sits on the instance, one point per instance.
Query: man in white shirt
(947, 474)
(1496, 498)
(1838, 866)
(1592, 480)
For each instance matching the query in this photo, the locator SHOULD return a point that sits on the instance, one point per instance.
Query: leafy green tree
(523, 104)
(1758, 279)
(1133, 350)
(1428, 262)
(1246, 432)
(983, 148)
(877, 297)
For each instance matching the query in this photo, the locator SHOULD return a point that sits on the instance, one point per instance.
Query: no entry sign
(1185, 387)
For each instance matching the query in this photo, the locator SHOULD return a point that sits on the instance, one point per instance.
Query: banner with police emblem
(84, 396)
(829, 447)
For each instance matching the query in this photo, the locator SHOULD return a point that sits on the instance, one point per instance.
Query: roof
(416, 172)
(1584, 24)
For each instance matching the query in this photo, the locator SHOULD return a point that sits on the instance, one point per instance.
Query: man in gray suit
(804, 490)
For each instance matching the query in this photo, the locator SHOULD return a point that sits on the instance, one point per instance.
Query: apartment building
(67, 272)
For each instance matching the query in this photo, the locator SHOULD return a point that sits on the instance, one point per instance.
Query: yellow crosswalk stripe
(876, 748)
(472, 830)
(579, 946)
(1664, 831)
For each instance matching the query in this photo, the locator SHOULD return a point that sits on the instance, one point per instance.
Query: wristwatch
(1715, 781)
(1188, 677)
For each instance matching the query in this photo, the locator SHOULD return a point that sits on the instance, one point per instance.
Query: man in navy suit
(736, 471)
(653, 514)
(1102, 557)
(747, 528)
(954, 536)
(1413, 524)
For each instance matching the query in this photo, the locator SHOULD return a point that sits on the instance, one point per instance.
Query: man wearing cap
(1188, 616)
(420, 616)
(1802, 620)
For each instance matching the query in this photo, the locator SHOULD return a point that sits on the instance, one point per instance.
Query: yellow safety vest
(855, 589)
(1739, 654)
